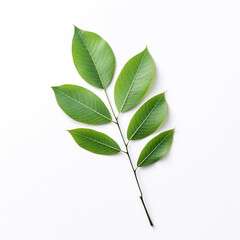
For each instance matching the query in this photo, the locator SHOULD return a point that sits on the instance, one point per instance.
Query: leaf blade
(81, 104)
(156, 148)
(93, 58)
(134, 80)
(95, 141)
(148, 118)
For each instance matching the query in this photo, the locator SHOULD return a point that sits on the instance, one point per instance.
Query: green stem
(110, 103)
(127, 152)
(149, 219)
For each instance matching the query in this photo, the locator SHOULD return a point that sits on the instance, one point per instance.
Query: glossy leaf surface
(93, 58)
(156, 148)
(148, 118)
(94, 141)
(134, 80)
(81, 104)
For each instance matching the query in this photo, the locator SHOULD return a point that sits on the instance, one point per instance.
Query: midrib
(124, 102)
(98, 141)
(153, 150)
(145, 118)
(83, 104)
(92, 60)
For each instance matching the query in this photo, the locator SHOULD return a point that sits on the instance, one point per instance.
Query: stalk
(127, 152)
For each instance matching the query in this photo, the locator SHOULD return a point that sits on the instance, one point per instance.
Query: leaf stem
(127, 152)
(149, 219)
(118, 115)
(110, 104)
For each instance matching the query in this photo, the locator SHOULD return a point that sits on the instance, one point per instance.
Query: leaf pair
(100, 143)
(95, 62)
(145, 121)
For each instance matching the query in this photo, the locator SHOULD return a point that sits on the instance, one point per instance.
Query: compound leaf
(81, 104)
(134, 80)
(94, 141)
(93, 58)
(156, 148)
(148, 118)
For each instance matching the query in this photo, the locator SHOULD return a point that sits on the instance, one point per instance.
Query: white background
(52, 189)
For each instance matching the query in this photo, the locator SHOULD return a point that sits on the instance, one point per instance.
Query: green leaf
(148, 118)
(93, 58)
(81, 104)
(156, 149)
(94, 141)
(134, 80)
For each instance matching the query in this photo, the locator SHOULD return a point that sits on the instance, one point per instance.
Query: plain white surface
(52, 189)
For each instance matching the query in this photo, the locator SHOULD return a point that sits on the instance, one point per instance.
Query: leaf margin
(127, 65)
(100, 84)
(171, 131)
(74, 132)
(148, 102)
(108, 118)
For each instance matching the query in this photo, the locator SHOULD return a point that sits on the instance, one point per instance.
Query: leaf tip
(70, 131)
(145, 49)
(76, 29)
(53, 88)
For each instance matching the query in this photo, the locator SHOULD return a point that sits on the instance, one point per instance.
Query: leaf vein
(145, 118)
(92, 60)
(124, 102)
(83, 104)
(98, 141)
(153, 150)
